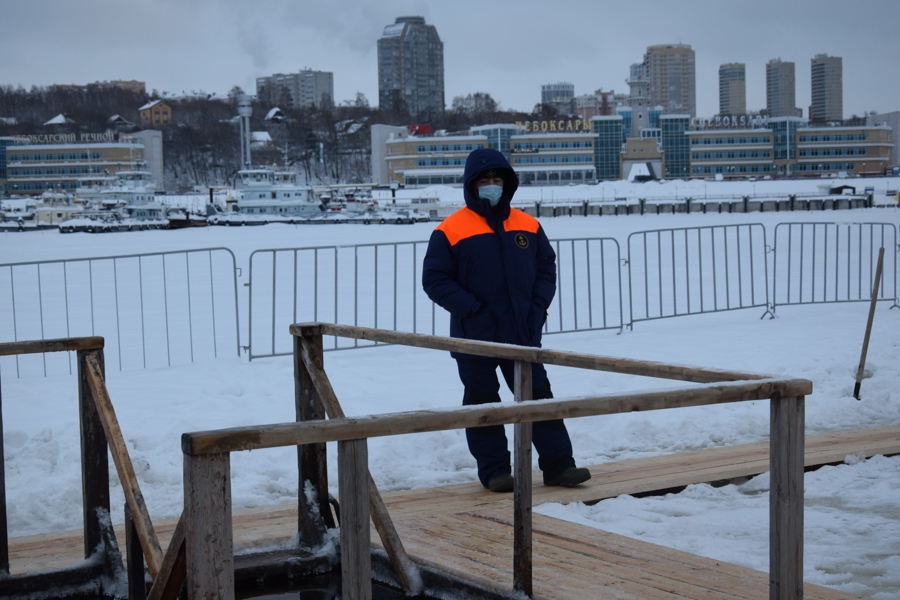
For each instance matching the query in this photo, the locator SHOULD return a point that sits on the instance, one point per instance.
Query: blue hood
(478, 161)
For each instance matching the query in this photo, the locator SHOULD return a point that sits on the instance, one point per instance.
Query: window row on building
(446, 147)
(14, 171)
(731, 141)
(839, 137)
(553, 145)
(54, 156)
(726, 155)
(733, 170)
(441, 162)
(835, 152)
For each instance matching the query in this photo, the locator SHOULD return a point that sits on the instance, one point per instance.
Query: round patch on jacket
(521, 240)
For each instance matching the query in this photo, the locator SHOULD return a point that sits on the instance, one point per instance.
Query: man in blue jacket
(493, 269)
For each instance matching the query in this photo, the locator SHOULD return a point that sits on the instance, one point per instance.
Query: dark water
(317, 587)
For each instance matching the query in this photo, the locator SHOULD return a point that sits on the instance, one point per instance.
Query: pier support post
(522, 522)
(94, 455)
(134, 555)
(786, 498)
(353, 489)
(313, 512)
(209, 543)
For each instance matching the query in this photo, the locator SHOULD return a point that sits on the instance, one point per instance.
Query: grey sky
(507, 49)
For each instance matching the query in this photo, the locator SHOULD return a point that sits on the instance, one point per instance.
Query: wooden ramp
(467, 531)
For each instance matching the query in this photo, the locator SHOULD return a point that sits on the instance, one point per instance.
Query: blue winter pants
(488, 444)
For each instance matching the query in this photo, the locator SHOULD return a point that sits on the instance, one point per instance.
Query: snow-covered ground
(852, 521)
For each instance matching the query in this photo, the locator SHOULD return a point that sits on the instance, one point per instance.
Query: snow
(59, 119)
(852, 518)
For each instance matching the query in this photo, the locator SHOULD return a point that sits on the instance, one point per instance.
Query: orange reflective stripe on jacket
(466, 223)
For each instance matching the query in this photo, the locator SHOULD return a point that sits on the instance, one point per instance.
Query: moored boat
(182, 219)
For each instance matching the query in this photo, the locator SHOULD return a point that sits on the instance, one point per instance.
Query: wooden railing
(100, 433)
(207, 493)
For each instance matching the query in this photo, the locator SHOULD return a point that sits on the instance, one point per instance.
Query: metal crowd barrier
(154, 310)
(833, 262)
(693, 270)
(370, 285)
(588, 286)
(379, 286)
(170, 308)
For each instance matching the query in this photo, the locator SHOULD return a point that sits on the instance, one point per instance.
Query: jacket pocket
(479, 326)
(536, 319)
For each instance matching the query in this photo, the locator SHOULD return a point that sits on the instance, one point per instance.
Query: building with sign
(543, 152)
(789, 147)
(674, 147)
(34, 168)
(553, 158)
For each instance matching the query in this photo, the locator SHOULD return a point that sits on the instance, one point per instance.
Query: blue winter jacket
(493, 270)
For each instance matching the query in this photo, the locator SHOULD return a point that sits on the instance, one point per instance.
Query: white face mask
(491, 193)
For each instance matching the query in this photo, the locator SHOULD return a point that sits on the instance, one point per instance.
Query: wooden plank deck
(467, 531)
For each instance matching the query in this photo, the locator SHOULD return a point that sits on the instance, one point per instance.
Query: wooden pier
(490, 541)
(466, 531)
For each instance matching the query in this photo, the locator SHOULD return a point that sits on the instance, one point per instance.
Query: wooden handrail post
(209, 544)
(134, 559)
(312, 464)
(94, 459)
(522, 557)
(407, 572)
(171, 576)
(353, 489)
(124, 468)
(786, 498)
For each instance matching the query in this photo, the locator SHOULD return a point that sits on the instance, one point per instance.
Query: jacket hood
(480, 160)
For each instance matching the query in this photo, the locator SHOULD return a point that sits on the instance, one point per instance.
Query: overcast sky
(507, 49)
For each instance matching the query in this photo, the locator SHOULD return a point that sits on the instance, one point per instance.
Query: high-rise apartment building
(671, 73)
(293, 90)
(732, 89)
(827, 83)
(558, 95)
(780, 89)
(411, 68)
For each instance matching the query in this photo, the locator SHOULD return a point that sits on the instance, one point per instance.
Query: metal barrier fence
(833, 262)
(368, 285)
(693, 270)
(379, 286)
(170, 308)
(588, 286)
(154, 310)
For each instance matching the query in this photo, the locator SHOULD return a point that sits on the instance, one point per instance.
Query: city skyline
(506, 50)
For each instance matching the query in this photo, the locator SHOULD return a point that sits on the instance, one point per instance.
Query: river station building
(32, 165)
(571, 151)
